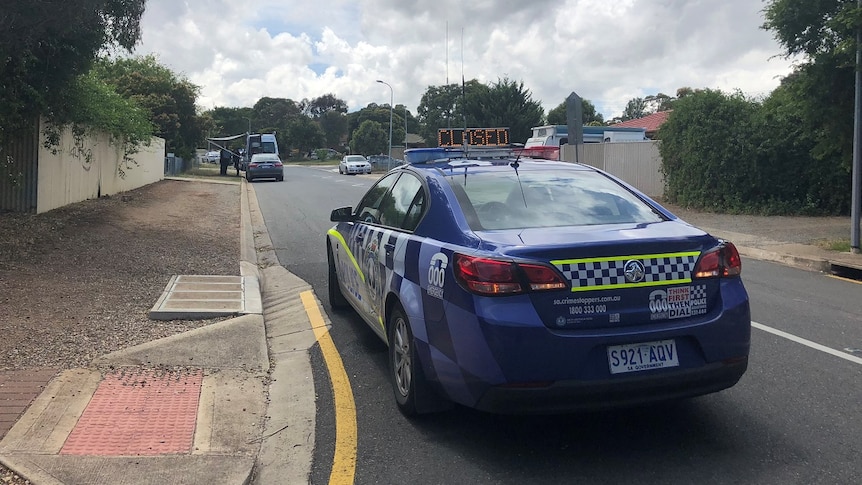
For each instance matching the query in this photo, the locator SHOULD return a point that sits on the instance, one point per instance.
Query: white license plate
(643, 356)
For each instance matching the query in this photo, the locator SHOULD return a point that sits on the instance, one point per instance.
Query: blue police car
(517, 285)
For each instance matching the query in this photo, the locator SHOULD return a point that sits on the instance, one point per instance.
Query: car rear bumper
(525, 367)
(570, 396)
(262, 174)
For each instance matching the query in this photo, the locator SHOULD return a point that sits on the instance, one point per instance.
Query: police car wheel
(403, 366)
(336, 298)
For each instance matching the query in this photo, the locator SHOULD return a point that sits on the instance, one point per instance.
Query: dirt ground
(78, 282)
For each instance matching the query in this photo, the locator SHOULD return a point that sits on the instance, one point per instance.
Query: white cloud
(607, 52)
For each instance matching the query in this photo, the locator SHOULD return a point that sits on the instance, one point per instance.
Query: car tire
(280, 179)
(248, 178)
(408, 380)
(337, 299)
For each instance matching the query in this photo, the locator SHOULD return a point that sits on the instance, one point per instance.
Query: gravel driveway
(77, 282)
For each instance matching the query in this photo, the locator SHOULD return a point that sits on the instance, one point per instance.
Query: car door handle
(359, 238)
(390, 248)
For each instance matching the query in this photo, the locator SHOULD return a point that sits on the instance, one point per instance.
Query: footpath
(234, 402)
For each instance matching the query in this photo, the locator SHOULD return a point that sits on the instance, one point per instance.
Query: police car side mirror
(342, 214)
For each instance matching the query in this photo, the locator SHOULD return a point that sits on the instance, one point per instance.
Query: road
(794, 418)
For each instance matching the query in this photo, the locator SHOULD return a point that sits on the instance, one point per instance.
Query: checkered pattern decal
(698, 292)
(606, 273)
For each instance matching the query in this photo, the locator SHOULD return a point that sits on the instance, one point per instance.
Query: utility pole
(856, 195)
(391, 100)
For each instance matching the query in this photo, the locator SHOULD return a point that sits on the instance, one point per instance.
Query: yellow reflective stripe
(625, 258)
(630, 285)
(337, 235)
(639, 257)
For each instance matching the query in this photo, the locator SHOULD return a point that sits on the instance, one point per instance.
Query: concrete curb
(288, 439)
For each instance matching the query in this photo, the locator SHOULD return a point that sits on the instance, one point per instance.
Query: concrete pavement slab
(238, 343)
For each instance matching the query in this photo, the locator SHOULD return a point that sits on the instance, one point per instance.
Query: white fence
(93, 169)
(637, 163)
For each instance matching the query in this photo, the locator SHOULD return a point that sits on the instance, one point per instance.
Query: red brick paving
(139, 413)
(18, 388)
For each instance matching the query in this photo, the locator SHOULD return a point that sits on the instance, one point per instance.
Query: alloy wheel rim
(402, 358)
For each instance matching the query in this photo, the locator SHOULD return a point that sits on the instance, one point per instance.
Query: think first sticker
(677, 302)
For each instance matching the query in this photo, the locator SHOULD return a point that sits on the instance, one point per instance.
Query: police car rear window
(506, 200)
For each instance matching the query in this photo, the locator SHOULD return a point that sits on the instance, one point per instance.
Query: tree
(45, 46)
(635, 108)
(274, 114)
(230, 121)
(169, 99)
(708, 152)
(331, 114)
(98, 107)
(824, 34)
(559, 115)
(369, 138)
(813, 28)
(379, 113)
(506, 103)
(443, 107)
(304, 134)
(658, 102)
(334, 126)
(326, 103)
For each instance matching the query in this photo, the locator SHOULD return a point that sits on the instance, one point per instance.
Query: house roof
(413, 138)
(651, 122)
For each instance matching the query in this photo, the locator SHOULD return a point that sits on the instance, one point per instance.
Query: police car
(518, 285)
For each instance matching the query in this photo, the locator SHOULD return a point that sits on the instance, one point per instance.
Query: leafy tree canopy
(706, 148)
(168, 98)
(443, 107)
(326, 103)
(46, 45)
(505, 103)
(304, 134)
(559, 115)
(813, 28)
(370, 138)
(275, 113)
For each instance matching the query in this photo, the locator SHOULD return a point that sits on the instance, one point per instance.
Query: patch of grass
(837, 245)
(210, 172)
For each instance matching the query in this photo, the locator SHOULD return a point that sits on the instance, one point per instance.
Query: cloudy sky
(607, 51)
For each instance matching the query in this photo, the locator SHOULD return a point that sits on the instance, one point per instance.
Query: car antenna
(515, 165)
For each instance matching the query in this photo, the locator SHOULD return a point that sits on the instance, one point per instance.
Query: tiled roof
(651, 122)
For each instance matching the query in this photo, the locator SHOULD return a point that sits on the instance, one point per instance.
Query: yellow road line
(344, 461)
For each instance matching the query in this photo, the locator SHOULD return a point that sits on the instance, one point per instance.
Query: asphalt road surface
(794, 418)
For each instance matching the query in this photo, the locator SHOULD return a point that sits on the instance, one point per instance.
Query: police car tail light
(487, 276)
(493, 277)
(543, 278)
(721, 262)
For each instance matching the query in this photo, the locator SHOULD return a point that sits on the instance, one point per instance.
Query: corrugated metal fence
(19, 171)
(35, 178)
(637, 163)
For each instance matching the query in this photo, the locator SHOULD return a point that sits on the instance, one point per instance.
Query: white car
(211, 157)
(354, 164)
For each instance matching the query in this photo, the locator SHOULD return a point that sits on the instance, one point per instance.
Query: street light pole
(391, 100)
(249, 124)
